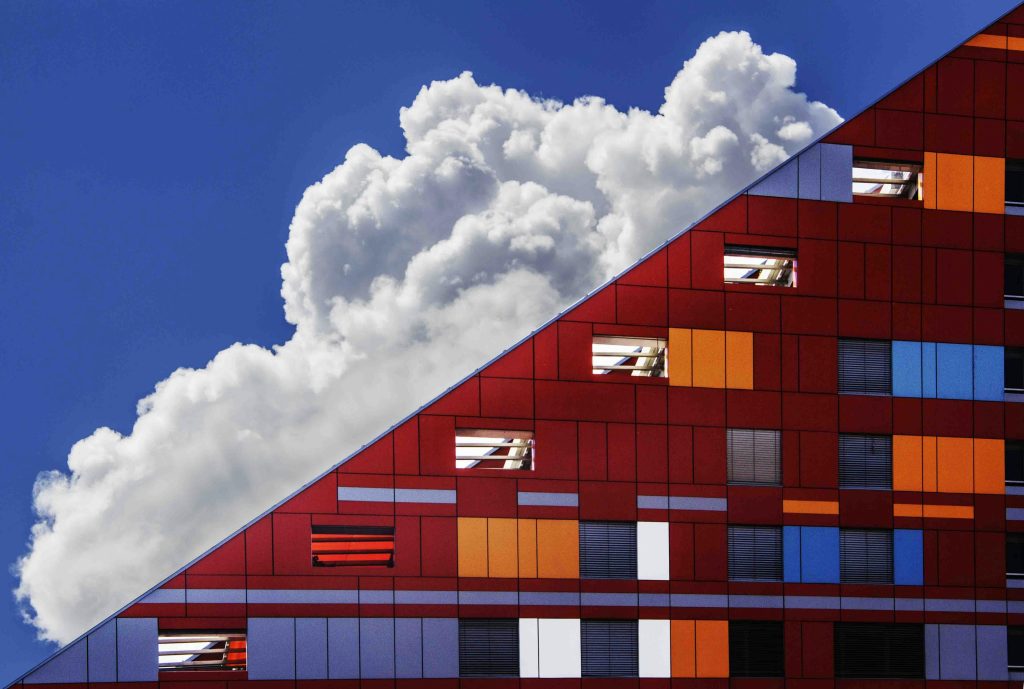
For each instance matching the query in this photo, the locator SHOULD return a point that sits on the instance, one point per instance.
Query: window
(350, 546)
(887, 179)
(1014, 462)
(1015, 555)
(201, 650)
(865, 461)
(756, 649)
(865, 367)
(754, 456)
(760, 265)
(489, 648)
(608, 550)
(629, 356)
(865, 556)
(879, 650)
(755, 553)
(1013, 277)
(1013, 376)
(1015, 182)
(609, 648)
(1015, 648)
(490, 449)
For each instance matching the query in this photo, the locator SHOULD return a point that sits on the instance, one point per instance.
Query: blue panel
(782, 182)
(136, 639)
(955, 367)
(791, 553)
(311, 648)
(908, 557)
(992, 660)
(957, 655)
(906, 369)
(929, 375)
(441, 652)
(819, 554)
(376, 647)
(408, 647)
(809, 165)
(343, 648)
(270, 648)
(65, 667)
(103, 653)
(836, 172)
(988, 373)
(931, 651)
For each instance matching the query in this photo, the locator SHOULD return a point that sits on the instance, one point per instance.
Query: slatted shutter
(608, 550)
(865, 556)
(756, 649)
(754, 456)
(879, 650)
(348, 546)
(489, 648)
(755, 553)
(610, 648)
(865, 367)
(865, 461)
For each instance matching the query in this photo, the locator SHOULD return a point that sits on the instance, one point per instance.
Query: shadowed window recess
(878, 650)
(1015, 648)
(1015, 555)
(1013, 279)
(629, 356)
(1014, 462)
(887, 179)
(494, 449)
(1015, 183)
(756, 649)
(760, 265)
(1013, 370)
(201, 650)
(352, 546)
(489, 648)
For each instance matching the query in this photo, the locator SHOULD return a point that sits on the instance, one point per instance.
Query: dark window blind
(609, 648)
(755, 553)
(865, 556)
(489, 648)
(754, 456)
(1013, 374)
(1015, 647)
(1013, 277)
(756, 649)
(879, 650)
(607, 550)
(1015, 554)
(1015, 182)
(865, 367)
(865, 461)
(1014, 461)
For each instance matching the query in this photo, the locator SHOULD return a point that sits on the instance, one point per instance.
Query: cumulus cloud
(403, 275)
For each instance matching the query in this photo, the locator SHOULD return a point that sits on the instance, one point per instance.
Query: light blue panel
(791, 553)
(957, 655)
(782, 182)
(906, 368)
(69, 665)
(311, 648)
(819, 554)
(931, 651)
(908, 557)
(376, 647)
(836, 172)
(103, 653)
(929, 370)
(441, 654)
(955, 367)
(988, 373)
(408, 647)
(343, 648)
(992, 660)
(270, 648)
(136, 641)
(809, 165)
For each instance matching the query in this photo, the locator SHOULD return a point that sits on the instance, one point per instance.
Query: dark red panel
(906, 322)
(709, 465)
(642, 305)
(868, 319)
(488, 497)
(752, 312)
(652, 453)
(259, 550)
(988, 279)
(545, 352)
(806, 412)
(556, 449)
(574, 350)
(906, 225)
(708, 258)
(898, 129)
(817, 219)
(320, 498)
(767, 362)
(679, 262)
(990, 564)
(878, 271)
(955, 558)
(755, 505)
(607, 500)
(809, 316)
(988, 232)
(407, 451)
(753, 409)
(291, 544)
(681, 551)
(515, 363)
(989, 138)
(952, 262)
(680, 454)
(593, 451)
(946, 323)
(865, 223)
(860, 131)
(949, 229)
(651, 404)
(818, 357)
(651, 272)
(711, 552)
(696, 406)
(909, 96)
(947, 417)
(819, 460)
(816, 268)
(907, 416)
(621, 452)
(865, 509)
(771, 215)
(696, 309)
(949, 134)
(227, 558)
(851, 270)
(732, 217)
(436, 445)
(585, 401)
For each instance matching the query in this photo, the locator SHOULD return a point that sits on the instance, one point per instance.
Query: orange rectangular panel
(558, 549)
(709, 358)
(1014, 43)
(949, 511)
(954, 181)
(527, 534)
(902, 509)
(989, 184)
(502, 544)
(989, 466)
(739, 360)
(985, 40)
(929, 464)
(810, 506)
(906, 462)
(929, 172)
(684, 649)
(472, 547)
(712, 648)
(955, 472)
(680, 357)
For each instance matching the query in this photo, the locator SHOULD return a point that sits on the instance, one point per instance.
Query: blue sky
(153, 155)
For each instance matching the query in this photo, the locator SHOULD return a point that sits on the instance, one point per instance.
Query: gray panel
(992, 660)
(426, 597)
(343, 648)
(136, 649)
(215, 596)
(809, 163)
(103, 653)
(408, 647)
(750, 601)
(659, 600)
(165, 596)
(813, 602)
(425, 495)
(311, 648)
(957, 655)
(931, 651)
(376, 596)
(441, 650)
(699, 600)
(65, 667)
(549, 499)
(782, 182)
(700, 504)
(376, 647)
(488, 598)
(652, 502)
(270, 648)
(1015, 514)
(836, 172)
(610, 599)
(949, 604)
(549, 598)
(366, 494)
(292, 596)
(850, 603)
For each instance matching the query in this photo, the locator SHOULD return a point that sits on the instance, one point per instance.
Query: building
(788, 444)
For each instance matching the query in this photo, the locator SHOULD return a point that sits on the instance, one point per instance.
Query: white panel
(528, 662)
(559, 648)
(652, 550)
(655, 648)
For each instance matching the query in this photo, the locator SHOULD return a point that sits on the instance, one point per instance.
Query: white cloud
(402, 276)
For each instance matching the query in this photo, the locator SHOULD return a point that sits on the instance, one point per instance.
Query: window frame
(788, 265)
(657, 369)
(911, 188)
(375, 536)
(167, 638)
(474, 440)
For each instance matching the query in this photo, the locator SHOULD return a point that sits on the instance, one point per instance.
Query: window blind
(609, 648)
(865, 556)
(489, 648)
(608, 550)
(879, 650)
(755, 553)
(754, 456)
(865, 461)
(865, 367)
(1015, 554)
(756, 649)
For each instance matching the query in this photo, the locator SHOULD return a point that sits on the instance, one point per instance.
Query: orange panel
(930, 173)
(502, 543)
(810, 506)
(985, 40)
(902, 509)
(680, 357)
(527, 548)
(989, 185)
(989, 466)
(1014, 43)
(472, 547)
(712, 648)
(955, 182)
(739, 360)
(929, 464)
(906, 462)
(949, 511)
(709, 358)
(558, 549)
(684, 649)
(955, 473)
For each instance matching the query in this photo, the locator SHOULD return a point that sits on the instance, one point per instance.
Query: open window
(887, 179)
(493, 449)
(760, 265)
(1015, 186)
(629, 356)
(353, 546)
(201, 650)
